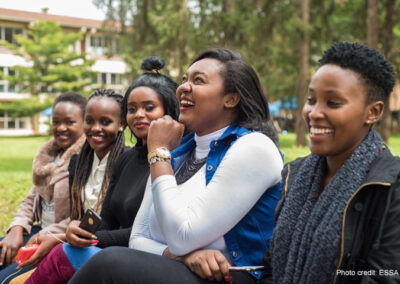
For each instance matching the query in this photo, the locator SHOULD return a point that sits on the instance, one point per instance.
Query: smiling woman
(200, 214)
(339, 216)
(48, 200)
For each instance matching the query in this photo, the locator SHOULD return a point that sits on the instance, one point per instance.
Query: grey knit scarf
(306, 240)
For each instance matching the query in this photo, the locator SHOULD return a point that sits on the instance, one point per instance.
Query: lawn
(17, 153)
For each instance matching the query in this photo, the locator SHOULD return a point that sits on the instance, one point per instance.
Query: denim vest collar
(218, 148)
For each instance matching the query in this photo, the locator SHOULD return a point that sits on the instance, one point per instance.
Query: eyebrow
(144, 102)
(197, 73)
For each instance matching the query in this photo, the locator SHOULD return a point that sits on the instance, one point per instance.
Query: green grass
(17, 153)
(16, 158)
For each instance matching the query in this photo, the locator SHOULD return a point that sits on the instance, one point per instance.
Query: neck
(203, 142)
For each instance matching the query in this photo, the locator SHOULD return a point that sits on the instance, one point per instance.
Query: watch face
(164, 152)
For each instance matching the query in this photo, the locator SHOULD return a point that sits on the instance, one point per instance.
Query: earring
(120, 129)
(368, 121)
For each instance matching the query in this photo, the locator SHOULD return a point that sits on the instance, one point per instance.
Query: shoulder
(256, 141)
(256, 149)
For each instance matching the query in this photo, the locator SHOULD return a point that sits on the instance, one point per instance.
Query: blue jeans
(11, 269)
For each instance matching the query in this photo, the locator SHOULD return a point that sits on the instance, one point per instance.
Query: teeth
(185, 102)
(314, 130)
(97, 137)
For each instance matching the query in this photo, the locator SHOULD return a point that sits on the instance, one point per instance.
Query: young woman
(103, 127)
(48, 200)
(150, 96)
(212, 206)
(338, 219)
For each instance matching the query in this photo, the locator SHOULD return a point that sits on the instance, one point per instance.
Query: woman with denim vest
(210, 203)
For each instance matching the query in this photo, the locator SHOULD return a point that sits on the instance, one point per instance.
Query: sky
(73, 8)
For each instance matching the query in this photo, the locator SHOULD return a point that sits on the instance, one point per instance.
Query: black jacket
(370, 244)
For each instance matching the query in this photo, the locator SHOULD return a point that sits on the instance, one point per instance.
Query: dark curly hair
(374, 70)
(163, 85)
(239, 77)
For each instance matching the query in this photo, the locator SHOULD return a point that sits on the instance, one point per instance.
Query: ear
(122, 125)
(231, 100)
(374, 112)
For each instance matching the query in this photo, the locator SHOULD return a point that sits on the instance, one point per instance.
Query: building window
(109, 79)
(5, 85)
(7, 122)
(115, 79)
(8, 34)
(100, 45)
(97, 45)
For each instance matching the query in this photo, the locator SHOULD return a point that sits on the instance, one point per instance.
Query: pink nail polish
(228, 278)
(94, 242)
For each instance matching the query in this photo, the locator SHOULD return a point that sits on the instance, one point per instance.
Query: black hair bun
(152, 63)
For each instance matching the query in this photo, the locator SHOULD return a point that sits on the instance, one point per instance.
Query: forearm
(223, 202)
(113, 238)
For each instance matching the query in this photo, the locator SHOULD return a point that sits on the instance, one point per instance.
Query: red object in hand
(25, 253)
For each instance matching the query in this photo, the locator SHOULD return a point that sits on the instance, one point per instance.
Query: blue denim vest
(249, 239)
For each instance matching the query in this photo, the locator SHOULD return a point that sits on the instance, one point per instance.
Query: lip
(185, 103)
(141, 125)
(62, 137)
(97, 138)
(320, 132)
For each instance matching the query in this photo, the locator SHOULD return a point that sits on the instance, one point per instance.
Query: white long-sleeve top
(194, 215)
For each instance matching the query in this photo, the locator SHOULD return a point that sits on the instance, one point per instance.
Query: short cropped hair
(375, 72)
(74, 98)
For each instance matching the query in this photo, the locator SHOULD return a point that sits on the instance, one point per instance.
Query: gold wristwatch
(159, 154)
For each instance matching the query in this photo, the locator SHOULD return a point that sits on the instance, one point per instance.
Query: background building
(102, 47)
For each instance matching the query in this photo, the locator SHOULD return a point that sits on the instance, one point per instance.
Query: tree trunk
(372, 23)
(386, 121)
(35, 124)
(228, 32)
(300, 127)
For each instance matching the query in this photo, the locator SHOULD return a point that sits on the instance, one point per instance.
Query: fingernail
(94, 237)
(94, 242)
(228, 278)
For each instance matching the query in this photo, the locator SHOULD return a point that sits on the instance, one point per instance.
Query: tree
(53, 65)
(386, 119)
(303, 72)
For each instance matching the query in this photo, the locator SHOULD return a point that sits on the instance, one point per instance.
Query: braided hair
(85, 161)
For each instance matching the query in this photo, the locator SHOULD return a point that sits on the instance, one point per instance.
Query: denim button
(209, 168)
(255, 272)
(215, 143)
(234, 254)
(358, 206)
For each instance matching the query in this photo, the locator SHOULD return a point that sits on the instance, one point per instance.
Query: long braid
(85, 161)
(116, 150)
(82, 173)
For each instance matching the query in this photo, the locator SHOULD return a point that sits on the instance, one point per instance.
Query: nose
(140, 112)
(96, 127)
(61, 127)
(314, 112)
(184, 88)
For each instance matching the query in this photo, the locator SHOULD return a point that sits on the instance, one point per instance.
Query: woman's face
(144, 106)
(102, 123)
(336, 112)
(67, 124)
(201, 97)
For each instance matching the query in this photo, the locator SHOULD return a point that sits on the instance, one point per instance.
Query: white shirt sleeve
(140, 238)
(251, 165)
